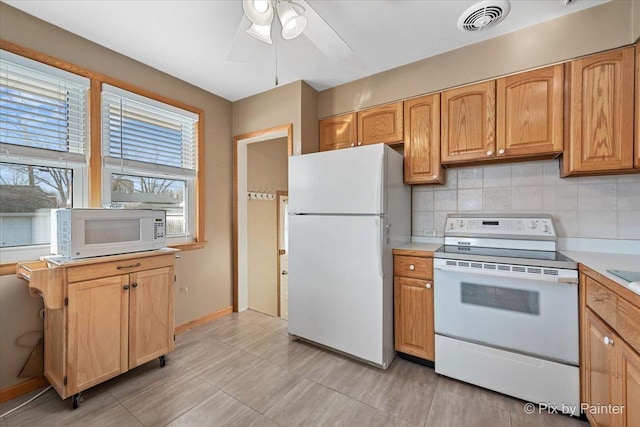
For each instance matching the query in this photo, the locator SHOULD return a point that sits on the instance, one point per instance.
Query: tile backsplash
(605, 207)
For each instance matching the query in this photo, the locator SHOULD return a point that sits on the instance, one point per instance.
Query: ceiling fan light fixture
(259, 12)
(261, 32)
(293, 24)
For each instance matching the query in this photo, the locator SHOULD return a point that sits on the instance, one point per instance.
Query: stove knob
(533, 224)
(546, 228)
(460, 223)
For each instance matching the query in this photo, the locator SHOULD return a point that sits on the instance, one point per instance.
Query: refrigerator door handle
(379, 251)
(379, 183)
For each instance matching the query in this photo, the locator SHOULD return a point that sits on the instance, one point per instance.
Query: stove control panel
(529, 226)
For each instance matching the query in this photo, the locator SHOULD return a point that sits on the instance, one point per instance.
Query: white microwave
(83, 233)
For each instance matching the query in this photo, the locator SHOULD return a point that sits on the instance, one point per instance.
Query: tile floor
(243, 370)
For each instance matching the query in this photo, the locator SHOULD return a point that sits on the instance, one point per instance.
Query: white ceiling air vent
(483, 15)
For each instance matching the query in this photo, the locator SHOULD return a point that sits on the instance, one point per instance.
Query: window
(150, 157)
(146, 155)
(43, 134)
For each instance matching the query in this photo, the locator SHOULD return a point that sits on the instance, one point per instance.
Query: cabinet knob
(428, 285)
(596, 299)
(353, 145)
(608, 341)
(135, 285)
(489, 153)
(501, 151)
(412, 267)
(125, 287)
(359, 143)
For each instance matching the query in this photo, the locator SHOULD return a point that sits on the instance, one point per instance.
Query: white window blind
(42, 107)
(139, 133)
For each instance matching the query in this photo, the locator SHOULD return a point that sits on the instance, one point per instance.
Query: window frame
(79, 195)
(109, 170)
(146, 107)
(93, 175)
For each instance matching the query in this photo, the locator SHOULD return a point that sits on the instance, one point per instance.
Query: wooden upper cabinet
(468, 123)
(530, 113)
(637, 125)
(599, 103)
(381, 124)
(338, 132)
(422, 140)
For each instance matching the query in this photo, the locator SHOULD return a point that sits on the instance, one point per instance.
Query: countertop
(601, 262)
(418, 247)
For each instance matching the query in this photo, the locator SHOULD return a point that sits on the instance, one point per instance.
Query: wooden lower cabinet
(600, 362)
(610, 360)
(629, 377)
(119, 315)
(97, 322)
(413, 307)
(151, 310)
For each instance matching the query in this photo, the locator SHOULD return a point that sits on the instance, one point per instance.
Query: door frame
(240, 143)
(279, 273)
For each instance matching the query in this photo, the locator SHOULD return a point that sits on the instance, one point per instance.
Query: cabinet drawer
(114, 268)
(602, 301)
(411, 266)
(628, 323)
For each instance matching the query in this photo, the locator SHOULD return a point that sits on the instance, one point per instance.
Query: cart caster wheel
(163, 361)
(77, 399)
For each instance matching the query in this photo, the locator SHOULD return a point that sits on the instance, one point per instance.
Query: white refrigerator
(348, 209)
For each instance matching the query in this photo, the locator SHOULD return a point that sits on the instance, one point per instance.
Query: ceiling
(191, 39)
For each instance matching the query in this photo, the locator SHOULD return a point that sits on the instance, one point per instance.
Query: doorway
(240, 212)
(283, 254)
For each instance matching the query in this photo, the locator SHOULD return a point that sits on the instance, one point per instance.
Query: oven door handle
(525, 276)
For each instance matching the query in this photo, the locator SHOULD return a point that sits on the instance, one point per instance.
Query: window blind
(144, 134)
(42, 109)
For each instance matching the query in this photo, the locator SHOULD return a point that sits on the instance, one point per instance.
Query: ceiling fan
(295, 18)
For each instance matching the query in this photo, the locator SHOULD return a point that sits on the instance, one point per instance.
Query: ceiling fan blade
(243, 44)
(320, 33)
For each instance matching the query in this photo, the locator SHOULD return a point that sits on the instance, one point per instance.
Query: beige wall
(267, 172)
(309, 119)
(276, 107)
(206, 273)
(592, 30)
(636, 19)
(294, 103)
(19, 313)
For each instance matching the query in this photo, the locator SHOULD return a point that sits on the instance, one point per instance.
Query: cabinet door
(151, 322)
(529, 113)
(338, 132)
(600, 113)
(468, 123)
(422, 140)
(413, 306)
(380, 124)
(630, 386)
(600, 361)
(98, 313)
